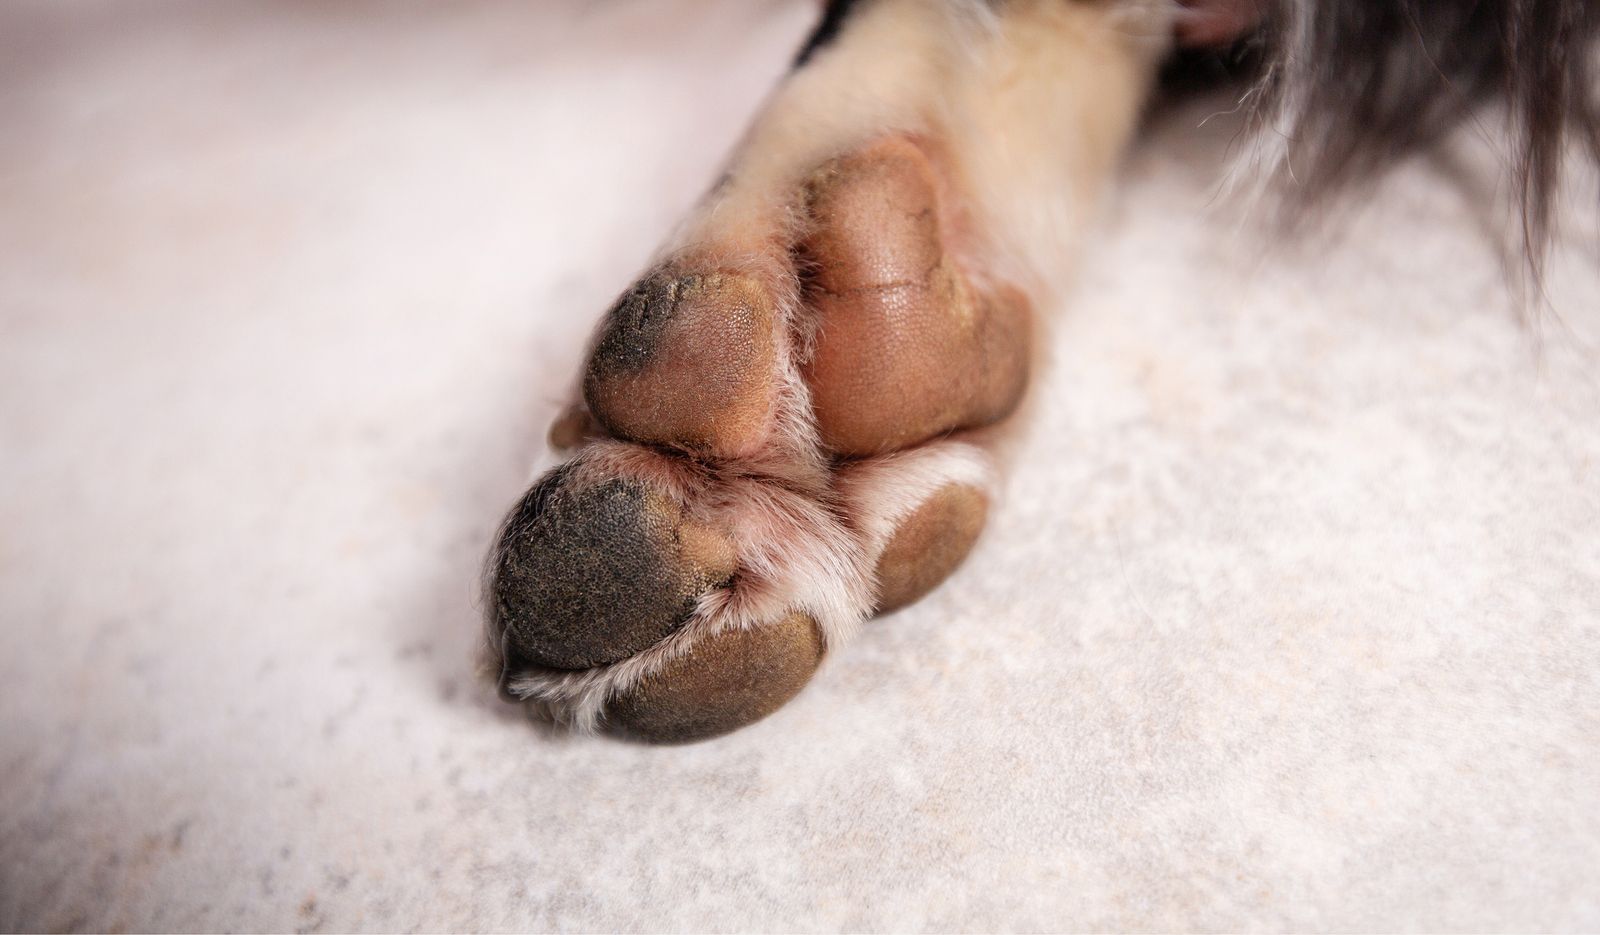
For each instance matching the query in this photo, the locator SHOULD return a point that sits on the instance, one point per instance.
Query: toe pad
(722, 683)
(591, 575)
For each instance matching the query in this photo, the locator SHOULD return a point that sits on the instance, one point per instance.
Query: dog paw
(767, 452)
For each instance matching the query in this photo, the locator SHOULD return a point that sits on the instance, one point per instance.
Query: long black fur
(833, 16)
(1355, 86)
(1358, 85)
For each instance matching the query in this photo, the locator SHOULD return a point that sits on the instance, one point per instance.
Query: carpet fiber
(1290, 617)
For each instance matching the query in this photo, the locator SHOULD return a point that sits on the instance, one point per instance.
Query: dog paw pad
(590, 574)
(929, 544)
(722, 682)
(688, 360)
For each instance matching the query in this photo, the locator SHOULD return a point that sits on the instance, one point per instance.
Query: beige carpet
(1291, 618)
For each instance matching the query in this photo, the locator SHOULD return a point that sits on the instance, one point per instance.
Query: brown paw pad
(587, 575)
(906, 347)
(687, 360)
(721, 683)
(929, 544)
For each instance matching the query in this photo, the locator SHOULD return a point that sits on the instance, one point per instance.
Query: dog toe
(687, 359)
(721, 683)
(589, 572)
(907, 347)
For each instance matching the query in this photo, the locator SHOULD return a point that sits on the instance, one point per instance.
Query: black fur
(828, 28)
(1357, 85)
(1360, 84)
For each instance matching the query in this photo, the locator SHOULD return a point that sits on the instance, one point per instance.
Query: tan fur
(1049, 106)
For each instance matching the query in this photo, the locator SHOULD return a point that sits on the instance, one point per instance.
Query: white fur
(880, 493)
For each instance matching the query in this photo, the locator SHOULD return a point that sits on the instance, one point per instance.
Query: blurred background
(1291, 617)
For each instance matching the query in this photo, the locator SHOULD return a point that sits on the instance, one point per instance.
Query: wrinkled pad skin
(906, 349)
(688, 360)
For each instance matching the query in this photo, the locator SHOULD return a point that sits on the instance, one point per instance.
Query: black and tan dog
(792, 421)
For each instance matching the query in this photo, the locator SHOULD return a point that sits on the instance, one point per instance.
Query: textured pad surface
(687, 359)
(592, 575)
(906, 349)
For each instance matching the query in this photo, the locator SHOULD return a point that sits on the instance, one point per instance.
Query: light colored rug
(1291, 617)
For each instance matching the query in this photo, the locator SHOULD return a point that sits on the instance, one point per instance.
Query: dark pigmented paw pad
(723, 682)
(589, 575)
(687, 359)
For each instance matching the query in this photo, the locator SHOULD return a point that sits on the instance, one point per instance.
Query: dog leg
(781, 426)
